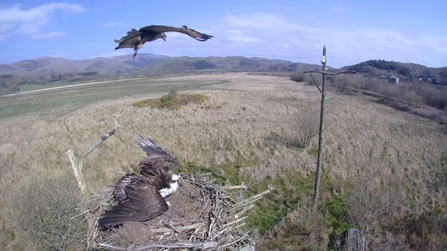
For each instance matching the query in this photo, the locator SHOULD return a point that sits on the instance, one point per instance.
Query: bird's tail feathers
(116, 216)
(111, 221)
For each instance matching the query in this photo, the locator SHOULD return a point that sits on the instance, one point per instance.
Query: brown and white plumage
(135, 39)
(156, 156)
(140, 198)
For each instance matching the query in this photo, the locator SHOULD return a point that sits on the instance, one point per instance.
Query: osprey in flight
(141, 198)
(135, 39)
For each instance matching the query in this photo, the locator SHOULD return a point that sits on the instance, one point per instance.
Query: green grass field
(78, 97)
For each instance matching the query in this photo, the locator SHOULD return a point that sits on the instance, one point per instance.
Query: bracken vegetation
(423, 99)
(383, 169)
(172, 101)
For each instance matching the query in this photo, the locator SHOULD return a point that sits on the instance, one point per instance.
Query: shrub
(172, 101)
(46, 212)
(413, 97)
(371, 206)
(425, 231)
(305, 77)
(307, 125)
(297, 76)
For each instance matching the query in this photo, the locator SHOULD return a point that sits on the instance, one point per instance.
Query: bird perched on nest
(141, 198)
(135, 39)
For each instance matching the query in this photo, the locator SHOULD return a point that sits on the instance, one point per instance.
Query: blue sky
(296, 30)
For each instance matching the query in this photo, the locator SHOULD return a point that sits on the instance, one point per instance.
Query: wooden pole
(320, 135)
(324, 74)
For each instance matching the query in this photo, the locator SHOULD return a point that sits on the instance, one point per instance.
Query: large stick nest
(201, 216)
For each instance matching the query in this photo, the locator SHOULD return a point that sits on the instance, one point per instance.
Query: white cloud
(113, 24)
(47, 35)
(235, 31)
(15, 20)
(262, 21)
(245, 40)
(284, 45)
(5, 27)
(297, 38)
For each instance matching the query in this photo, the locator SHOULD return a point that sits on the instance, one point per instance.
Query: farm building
(393, 79)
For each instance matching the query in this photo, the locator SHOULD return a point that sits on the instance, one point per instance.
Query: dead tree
(77, 160)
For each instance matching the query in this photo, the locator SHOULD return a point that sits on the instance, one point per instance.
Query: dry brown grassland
(364, 143)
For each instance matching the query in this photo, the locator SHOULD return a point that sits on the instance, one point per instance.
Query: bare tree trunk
(77, 160)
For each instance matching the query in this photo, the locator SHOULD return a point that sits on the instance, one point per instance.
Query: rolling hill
(145, 62)
(45, 66)
(407, 72)
(46, 70)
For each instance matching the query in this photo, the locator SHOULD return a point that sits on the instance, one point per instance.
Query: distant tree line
(413, 93)
(88, 73)
(13, 82)
(383, 65)
(200, 65)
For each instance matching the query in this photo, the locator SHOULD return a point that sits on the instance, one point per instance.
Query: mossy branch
(99, 141)
(77, 160)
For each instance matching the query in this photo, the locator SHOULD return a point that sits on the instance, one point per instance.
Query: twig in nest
(219, 233)
(211, 225)
(243, 210)
(201, 245)
(235, 187)
(86, 211)
(205, 212)
(235, 241)
(179, 229)
(236, 221)
(168, 224)
(251, 199)
(204, 199)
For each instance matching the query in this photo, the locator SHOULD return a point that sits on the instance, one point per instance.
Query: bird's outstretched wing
(132, 38)
(156, 156)
(185, 30)
(119, 191)
(143, 202)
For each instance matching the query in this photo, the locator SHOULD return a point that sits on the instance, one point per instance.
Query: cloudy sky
(296, 30)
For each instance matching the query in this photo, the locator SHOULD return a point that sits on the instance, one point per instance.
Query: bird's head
(163, 36)
(176, 180)
(174, 184)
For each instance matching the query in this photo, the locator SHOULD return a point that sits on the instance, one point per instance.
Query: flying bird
(141, 198)
(135, 39)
